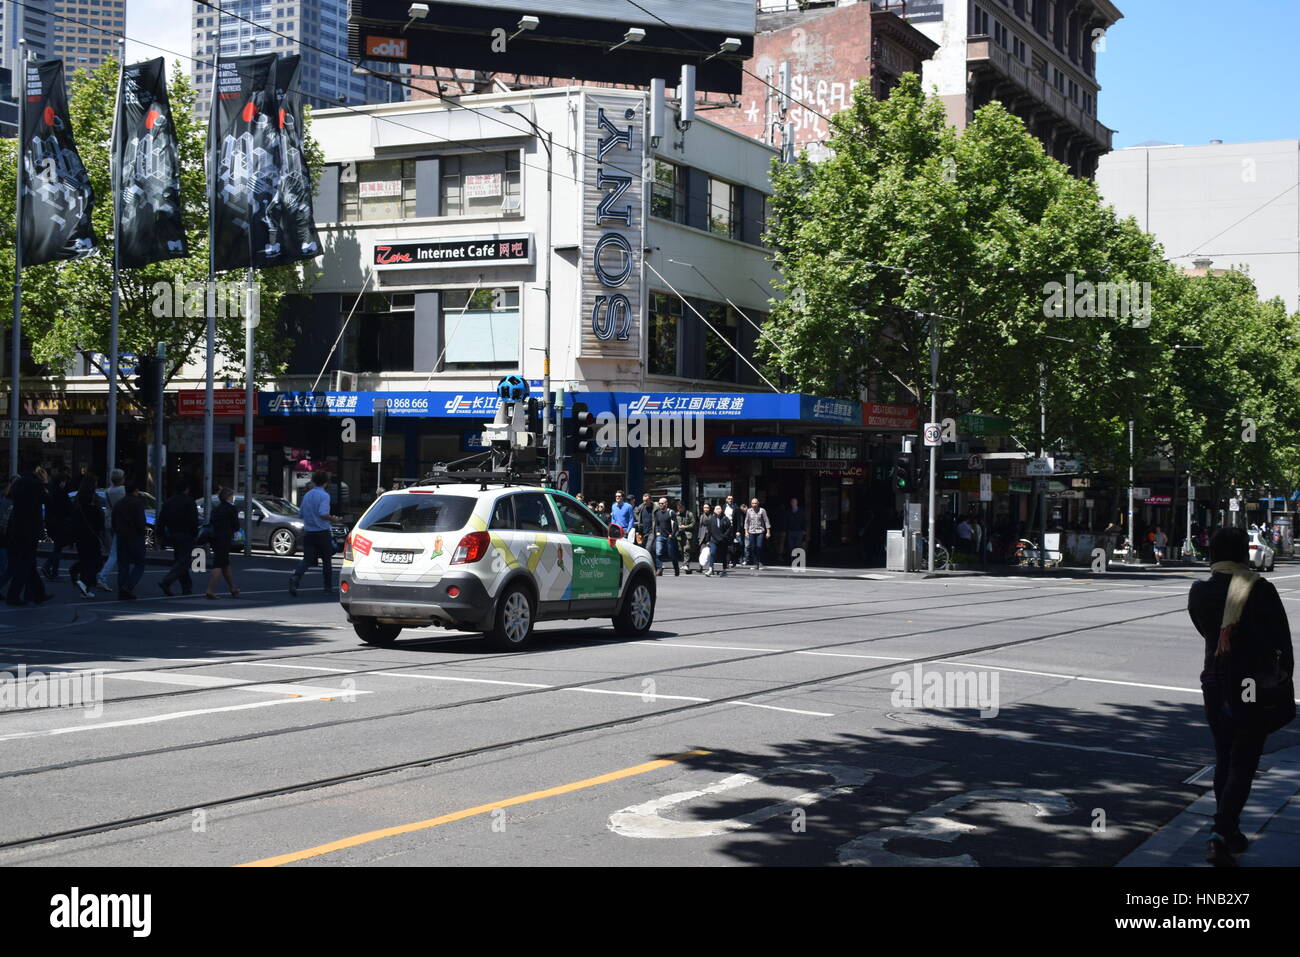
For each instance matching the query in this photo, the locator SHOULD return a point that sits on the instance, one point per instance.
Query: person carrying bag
(1246, 680)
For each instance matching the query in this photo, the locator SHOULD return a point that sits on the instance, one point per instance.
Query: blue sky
(1191, 71)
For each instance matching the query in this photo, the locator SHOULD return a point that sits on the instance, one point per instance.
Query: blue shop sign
(435, 405)
(754, 446)
(472, 441)
(789, 406)
(840, 411)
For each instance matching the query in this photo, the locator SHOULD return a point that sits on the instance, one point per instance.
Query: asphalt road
(763, 721)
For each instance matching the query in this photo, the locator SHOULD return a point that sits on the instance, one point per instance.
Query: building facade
(86, 32)
(1233, 204)
(32, 21)
(305, 27)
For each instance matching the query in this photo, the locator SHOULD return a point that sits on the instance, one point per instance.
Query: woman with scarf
(1245, 681)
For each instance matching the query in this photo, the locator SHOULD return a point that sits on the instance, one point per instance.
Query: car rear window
(418, 512)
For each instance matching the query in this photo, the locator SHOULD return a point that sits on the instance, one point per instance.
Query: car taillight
(471, 548)
(347, 549)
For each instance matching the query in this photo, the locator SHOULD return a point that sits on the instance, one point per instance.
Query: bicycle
(942, 558)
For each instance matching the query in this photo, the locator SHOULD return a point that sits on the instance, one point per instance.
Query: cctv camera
(418, 11)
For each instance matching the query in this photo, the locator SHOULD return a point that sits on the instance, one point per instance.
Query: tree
(66, 306)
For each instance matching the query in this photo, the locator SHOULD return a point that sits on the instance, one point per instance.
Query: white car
(1261, 552)
(489, 557)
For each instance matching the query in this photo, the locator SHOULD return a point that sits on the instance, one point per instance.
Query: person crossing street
(178, 526)
(758, 528)
(317, 541)
(664, 523)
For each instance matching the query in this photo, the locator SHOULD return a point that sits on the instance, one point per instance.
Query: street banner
(56, 193)
(146, 161)
(296, 217)
(244, 164)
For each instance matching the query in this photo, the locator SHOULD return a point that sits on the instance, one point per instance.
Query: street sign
(1081, 483)
(986, 487)
(379, 418)
(376, 448)
(1234, 505)
(933, 434)
(1040, 467)
(1142, 493)
(562, 481)
(975, 463)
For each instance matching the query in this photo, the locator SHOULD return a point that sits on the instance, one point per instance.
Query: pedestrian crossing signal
(903, 473)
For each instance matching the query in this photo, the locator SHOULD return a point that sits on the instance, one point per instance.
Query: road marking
(837, 654)
(772, 707)
(214, 682)
(1052, 674)
(663, 644)
(267, 664)
(478, 681)
(647, 696)
(153, 719)
(378, 835)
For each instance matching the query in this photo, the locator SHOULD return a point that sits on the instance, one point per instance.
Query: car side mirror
(615, 532)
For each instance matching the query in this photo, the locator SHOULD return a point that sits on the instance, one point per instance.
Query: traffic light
(584, 434)
(902, 478)
(147, 369)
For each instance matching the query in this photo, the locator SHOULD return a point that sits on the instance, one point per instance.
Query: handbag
(237, 539)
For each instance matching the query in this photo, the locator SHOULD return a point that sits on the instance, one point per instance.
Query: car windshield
(418, 512)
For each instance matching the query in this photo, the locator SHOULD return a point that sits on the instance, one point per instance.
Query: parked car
(277, 524)
(1262, 555)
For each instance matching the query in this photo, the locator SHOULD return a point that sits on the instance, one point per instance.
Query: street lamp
(548, 425)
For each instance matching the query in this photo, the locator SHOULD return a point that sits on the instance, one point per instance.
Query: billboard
(571, 39)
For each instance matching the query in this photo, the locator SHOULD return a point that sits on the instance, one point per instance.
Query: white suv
(489, 557)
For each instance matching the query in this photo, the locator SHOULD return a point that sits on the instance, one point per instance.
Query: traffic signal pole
(934, 417)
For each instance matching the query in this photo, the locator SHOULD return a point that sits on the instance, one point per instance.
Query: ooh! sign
(387, 48)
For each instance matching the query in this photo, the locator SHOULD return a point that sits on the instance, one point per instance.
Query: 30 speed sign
(933, 434)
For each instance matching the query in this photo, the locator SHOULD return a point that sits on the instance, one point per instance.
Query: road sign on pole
(1234, 505)
(376, 448)
(986, 487)
(1043, 466)
(933, 434)
(562, 481)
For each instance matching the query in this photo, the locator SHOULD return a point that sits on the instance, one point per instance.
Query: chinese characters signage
(483, 251)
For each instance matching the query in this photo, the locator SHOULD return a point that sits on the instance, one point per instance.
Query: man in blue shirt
(621, 514)
(317, 541)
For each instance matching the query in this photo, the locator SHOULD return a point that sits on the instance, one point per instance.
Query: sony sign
(613, 225)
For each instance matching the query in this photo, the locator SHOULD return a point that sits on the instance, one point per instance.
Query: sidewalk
(1271, 820)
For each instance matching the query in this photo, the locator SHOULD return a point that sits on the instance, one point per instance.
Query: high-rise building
(305, 27)
(85, 32)
(32, 21)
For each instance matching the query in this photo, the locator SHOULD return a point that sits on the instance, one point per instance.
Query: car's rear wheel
(638, 612)
(376, 633)
(283, 542)
(512, 623)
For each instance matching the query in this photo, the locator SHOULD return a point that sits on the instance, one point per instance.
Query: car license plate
(399, 558)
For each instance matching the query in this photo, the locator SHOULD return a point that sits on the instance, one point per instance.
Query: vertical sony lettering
(56, 193)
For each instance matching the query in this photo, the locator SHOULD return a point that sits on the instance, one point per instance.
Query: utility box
(895, 550)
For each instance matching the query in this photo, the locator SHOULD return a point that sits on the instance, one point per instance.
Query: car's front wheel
(512, 624)
(283, 542)
(638, 612)
(375, 633)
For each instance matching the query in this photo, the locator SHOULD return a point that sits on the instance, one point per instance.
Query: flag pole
(114, 311)
(15, 360)
(209, 297)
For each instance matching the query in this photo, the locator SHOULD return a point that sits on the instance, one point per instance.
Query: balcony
(983, 54)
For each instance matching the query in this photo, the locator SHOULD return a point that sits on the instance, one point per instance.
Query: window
(418, 512)
(668, 192)
(533, 513)
(665, 325)
(382, 189)
(1018, 49)
(481, 184)
(1000, 34)
(719, 356)
(481, 332)
(724, 218)
(380, 337)
(503, 516)
(979, 22)
(577, 520)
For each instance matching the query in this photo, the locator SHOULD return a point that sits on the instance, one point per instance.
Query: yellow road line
(358, 839)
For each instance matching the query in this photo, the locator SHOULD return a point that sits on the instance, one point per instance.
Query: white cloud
(159, 28)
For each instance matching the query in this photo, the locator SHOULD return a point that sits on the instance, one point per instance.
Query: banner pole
(114, 311)
(15, 360)
(251, 317)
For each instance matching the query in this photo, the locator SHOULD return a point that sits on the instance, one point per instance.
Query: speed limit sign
(933, 434)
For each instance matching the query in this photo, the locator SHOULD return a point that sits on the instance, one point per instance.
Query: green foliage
(909, 217)
(66, 306)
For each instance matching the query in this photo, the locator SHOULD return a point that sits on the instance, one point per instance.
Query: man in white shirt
(317, 540)
(115, 492)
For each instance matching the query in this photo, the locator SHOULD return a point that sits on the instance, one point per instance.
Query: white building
(1236, 204)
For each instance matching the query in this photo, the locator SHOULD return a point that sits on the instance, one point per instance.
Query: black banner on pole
(56, 194)
(297, 219)
(145, 156)
(244, 163)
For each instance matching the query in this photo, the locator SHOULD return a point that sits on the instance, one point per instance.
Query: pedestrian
(796, 527)
(719, 532)
(600, 510)
(685, 533)
(26, 524)
(665, 528)
(643, 517)
(223, 523)
(581, 498)
(85, 532)
(1160, 541)
(113, 495)
(57, 506)
(1246, 678)
(739, 543)
(965, 536)
(758, 527)
(317, 538)
(129, 528)
(177, 526)
(621, 514)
